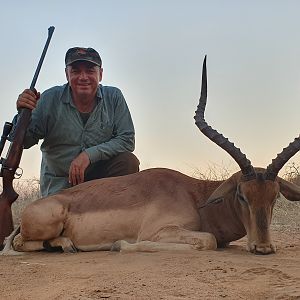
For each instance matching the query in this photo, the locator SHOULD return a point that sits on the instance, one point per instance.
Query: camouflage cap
(85, 54)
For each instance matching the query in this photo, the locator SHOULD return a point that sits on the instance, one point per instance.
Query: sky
(153, 51)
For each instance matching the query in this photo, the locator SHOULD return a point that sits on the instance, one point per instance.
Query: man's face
(84, 78)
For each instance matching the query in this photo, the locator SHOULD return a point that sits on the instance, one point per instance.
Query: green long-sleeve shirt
(108, 131)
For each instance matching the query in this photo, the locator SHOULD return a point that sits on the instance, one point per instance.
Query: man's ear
(101, 74)
(66, 72)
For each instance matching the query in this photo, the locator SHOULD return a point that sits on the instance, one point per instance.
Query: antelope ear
(227, 187)
(289, 190)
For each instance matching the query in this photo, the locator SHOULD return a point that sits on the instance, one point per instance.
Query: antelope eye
(242, 199)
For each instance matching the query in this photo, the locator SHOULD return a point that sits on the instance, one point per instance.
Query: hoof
(70, 249)
(116, 246)
(119, 246)
(262, 249)
(60, 243)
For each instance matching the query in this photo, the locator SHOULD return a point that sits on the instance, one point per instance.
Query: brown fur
(155, 205)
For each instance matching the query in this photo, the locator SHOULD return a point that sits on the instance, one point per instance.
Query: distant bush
(292, 173)
(213, 172)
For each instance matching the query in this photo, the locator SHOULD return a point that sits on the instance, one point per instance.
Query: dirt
(231, 273)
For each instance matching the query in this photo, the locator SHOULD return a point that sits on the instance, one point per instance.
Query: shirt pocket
(98, 133)
(106, 131)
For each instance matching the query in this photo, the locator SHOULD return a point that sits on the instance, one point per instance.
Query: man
(86, 128)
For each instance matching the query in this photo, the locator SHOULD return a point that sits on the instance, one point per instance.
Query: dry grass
(28, 190)
(213, 172)
(287, 213)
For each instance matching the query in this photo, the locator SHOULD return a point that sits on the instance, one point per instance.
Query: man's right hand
(28, 99)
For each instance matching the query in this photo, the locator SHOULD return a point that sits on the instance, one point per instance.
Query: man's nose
(82, 75)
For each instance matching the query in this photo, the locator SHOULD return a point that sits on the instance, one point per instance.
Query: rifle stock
(6, 130)
(12, 160)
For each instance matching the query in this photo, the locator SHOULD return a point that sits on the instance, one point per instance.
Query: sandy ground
(232, 273)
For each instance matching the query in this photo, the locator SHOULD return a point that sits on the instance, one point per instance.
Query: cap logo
(81, 51)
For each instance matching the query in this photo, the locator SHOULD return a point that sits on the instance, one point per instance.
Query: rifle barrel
(37, 71)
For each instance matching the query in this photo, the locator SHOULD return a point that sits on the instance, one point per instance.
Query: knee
(122, 164)
(210, 242)
(18, 243)
(43, 220)
(129, 162)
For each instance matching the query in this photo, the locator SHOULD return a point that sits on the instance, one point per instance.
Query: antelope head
(253, 191)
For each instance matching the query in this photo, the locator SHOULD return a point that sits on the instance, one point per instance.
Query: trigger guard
(18, 173)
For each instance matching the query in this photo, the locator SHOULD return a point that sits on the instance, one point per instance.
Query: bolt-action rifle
(11, 163)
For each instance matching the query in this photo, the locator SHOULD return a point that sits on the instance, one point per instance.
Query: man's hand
(77, 168)
(28, 99)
